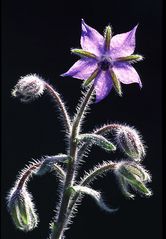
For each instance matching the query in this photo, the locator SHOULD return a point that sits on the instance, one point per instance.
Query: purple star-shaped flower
(105, 60)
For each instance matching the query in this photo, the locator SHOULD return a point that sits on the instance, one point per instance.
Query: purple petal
(123, 44)
(82, 69)
(126, 73)
(91, 40)
(103, 85)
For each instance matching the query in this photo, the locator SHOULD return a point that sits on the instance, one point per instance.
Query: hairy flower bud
(130, 142)
(134, 175)
(22, 209)
(29, 88)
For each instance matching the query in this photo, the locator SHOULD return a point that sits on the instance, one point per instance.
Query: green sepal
(131, 58)
(134, 179)
(83, 53)
(140, 186)
(107, 35)
(116, 83)
(91, 78)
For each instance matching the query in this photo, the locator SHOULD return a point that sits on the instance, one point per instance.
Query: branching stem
(59, 225)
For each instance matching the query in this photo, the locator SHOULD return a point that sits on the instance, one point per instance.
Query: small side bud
(130, 142)
(21, 209)
(134, 175)
(29, 88)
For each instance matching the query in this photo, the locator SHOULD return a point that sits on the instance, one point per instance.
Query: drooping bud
(134, 175)
(29, 88)
(130, 142)
(21, 209)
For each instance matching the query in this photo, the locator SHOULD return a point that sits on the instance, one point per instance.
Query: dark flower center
(104, 65)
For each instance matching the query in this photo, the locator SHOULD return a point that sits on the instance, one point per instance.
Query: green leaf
(98, 140)
(48, 163)
(95, 195)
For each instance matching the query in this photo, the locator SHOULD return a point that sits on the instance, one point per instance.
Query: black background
(36, 38)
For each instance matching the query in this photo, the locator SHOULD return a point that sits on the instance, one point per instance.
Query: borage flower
(105, 60)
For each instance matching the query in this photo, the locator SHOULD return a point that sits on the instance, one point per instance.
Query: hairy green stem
(27, 173)
(61, 105)
(107, 128)
(59, 225)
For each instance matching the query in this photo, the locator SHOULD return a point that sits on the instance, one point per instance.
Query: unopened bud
(21, 209)
(134, 175)
(130, 142)
(29, 88)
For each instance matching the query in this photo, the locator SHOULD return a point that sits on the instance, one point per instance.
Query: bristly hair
(87, 107)
(98, 170)
(64, 116)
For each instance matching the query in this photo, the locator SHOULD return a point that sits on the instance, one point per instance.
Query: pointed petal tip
(83, 22)
(64, 74)
(135, 27)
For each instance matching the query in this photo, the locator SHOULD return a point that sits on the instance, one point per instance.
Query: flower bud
(134, 175)
(29, 88)
(130, 142)
(21, 209)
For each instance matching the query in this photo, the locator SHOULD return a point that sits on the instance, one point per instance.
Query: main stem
(59, 225)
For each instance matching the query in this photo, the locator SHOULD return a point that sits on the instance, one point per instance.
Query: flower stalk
(61, 106)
